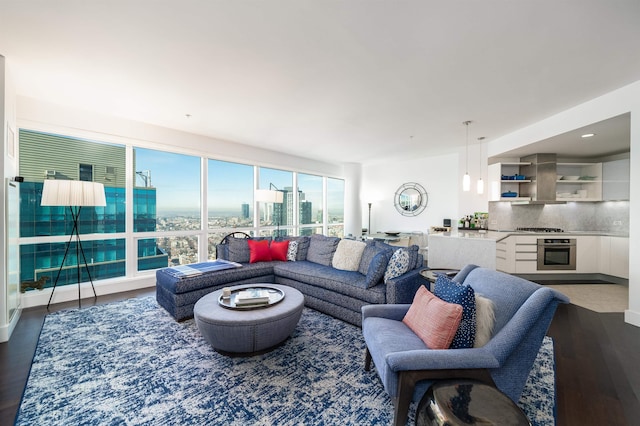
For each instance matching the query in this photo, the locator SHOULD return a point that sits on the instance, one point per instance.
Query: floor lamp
(271, 196)
(75, 194)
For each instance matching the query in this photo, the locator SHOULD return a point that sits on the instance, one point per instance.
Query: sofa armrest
(402, 289)
(393, 312)
(443, 359)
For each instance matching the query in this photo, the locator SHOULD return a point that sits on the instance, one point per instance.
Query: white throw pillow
(485, 319)
(348, 254)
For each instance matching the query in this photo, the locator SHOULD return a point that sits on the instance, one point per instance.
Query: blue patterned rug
(130, 363)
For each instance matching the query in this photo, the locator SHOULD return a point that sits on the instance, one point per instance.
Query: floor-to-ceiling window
(277, 218)
(335, 207)
(229, 200)
(166, 201)
(45, 230)
(155, 206)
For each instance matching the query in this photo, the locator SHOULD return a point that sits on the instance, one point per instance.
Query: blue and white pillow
(463, 295)
(398, 264)
(292, 251)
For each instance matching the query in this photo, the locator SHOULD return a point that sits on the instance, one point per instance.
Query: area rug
(130, 363)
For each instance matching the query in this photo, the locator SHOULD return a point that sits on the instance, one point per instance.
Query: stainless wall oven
(556, 254)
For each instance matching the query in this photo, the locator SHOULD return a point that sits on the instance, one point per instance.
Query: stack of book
(252, 296)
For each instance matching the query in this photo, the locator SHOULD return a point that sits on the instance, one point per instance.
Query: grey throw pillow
(321, 249)
(238, 250)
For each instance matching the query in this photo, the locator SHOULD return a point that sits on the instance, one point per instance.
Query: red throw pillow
(279, 250)
(432, 319)
(259, 251)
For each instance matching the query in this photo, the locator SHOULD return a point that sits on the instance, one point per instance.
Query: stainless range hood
(542, 171)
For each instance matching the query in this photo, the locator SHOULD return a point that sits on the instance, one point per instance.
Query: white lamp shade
(269, 196)
(466, 182)
(480, 186)
(72, 193)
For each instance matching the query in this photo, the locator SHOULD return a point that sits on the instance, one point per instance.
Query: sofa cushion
(463, 295)
(377, 267)
(238, 250)
(279, 250)
(259, 251)
(348, 254)
(303, 246)
(398, 264)
(349, 283)
(432, 319)
(292, 251)
(321, 249)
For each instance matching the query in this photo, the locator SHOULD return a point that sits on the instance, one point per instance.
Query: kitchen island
(456, 249)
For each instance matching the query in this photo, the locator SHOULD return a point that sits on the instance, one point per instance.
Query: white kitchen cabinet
(579, 182)
(615, 180)
(614, 256)
(526, 254)
(505, 255)
(587, 250)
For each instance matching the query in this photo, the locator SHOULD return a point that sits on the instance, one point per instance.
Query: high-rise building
(46, 156)
(245, 211)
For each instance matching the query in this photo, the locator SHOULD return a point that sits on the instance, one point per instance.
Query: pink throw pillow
(279, 250)
(432, 319)
(259, 251)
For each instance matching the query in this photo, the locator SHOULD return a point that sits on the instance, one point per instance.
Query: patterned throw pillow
(398, 264)
(292, 251)
(433, 320)
(463, 295)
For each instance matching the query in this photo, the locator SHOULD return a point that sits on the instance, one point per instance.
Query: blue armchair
(523, 312)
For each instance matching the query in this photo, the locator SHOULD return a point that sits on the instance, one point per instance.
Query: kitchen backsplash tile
(610, 216)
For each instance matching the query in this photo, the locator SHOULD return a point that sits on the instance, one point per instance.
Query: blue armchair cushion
(398, 264)
(463, 295)
(321, 249)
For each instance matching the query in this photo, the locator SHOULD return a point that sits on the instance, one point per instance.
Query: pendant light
(480, 184)
(466, 179)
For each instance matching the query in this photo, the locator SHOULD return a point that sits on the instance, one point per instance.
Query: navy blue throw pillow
(463, 295)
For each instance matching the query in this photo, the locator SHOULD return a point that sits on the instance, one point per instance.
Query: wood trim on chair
(407, 382)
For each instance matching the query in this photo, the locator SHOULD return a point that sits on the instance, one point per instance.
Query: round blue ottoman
(247, 332)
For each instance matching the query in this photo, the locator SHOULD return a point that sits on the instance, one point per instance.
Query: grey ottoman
(247, 332)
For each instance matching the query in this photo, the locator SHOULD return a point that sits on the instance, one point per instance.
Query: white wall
(621, 101)
(439, 176)
(37, 115)
(8, 170)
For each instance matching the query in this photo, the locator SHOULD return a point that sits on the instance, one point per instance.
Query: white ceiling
(336, 80)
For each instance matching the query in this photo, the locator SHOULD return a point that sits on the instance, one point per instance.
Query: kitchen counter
(454, 250)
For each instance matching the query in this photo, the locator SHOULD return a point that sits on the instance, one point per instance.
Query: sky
(177, 179)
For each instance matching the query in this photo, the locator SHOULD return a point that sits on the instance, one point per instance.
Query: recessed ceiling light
(588, 135)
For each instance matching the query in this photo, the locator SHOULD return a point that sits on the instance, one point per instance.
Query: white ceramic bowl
(570, 177)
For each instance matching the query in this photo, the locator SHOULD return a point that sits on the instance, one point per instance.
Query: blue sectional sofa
(337, 277)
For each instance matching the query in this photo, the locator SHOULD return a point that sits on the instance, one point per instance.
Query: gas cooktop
(540, 229)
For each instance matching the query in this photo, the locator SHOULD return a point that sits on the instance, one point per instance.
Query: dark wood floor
(597, 364)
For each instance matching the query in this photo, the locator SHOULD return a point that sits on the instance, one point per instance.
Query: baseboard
(632, 317)
(7, 329)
